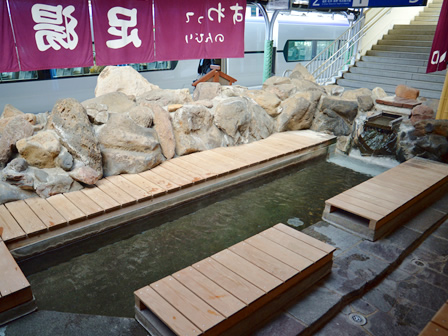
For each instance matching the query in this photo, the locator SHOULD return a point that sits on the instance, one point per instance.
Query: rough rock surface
(70, 122)
(348, 109)
(10, 193)
(300, 72)
(164, 129)
(329, 121)
(117, 161)
(207, 91)
(365, 103)
(354, 94)
(18, 174)
(18, 128)
(165, 97)
(53, 181)
(404, 91)
(113, 102)
(10, 111)
(378, 93)
(142, 116)
(296, 113)
(40, 150)
(267, 100)
(122, 79)
(421, 112)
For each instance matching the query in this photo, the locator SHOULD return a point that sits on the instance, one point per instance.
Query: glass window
(16, 76)
(299, 51)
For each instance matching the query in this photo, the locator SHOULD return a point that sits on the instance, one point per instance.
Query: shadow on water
(99, 275)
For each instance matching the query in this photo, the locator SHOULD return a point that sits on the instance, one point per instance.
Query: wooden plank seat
(15, 289)
(237, 289)
(438, 326)
(378, 205)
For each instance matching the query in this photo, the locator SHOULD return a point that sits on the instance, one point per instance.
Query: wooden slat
(11, 230)
(118, 194)
(410, 179)
(369, 198)
(84, 203)
(383, 193)
(101, 198)
(431, 165)
(230, 281)
(173, 177)
(265, 151)
(305, 238)
(145, 184)
(47, 214)
(433, 329)
(12, 279)
(191, 306)
(206, 173)
(26, 218)
(166, 312)
(287, 256)
(209, 291)
(66, 208)
(229, 165)
(247, 270)
(441, 317)
(364, 204)
(239, 153)
(232, 159)
(398, 182)
(192, 176)
(136, 192)
(164, 183)
(263, 260)
(205, 163)
(305, 250)
(370, 215)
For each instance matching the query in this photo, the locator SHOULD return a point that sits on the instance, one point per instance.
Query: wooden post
(442, 111)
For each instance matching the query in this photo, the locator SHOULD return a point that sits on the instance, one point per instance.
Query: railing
(343, 51)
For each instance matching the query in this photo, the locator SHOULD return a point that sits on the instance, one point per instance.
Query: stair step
(397, 54)
(388, 60)
(423, 38)
(423, 29)
(408, 43)
(427, 18)
(403, 75)
(390, 89)
(395, 81)
(408, 49)
(420, 23)
(430, 14)
(371, 64)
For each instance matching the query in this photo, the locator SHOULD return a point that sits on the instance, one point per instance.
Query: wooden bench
(236, 290)
(15, 289)
(438, 326)
(377, 206)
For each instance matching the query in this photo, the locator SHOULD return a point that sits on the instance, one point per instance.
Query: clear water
(101, 277)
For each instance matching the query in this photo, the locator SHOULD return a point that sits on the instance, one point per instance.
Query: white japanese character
(237, 16)
(124, 24)
(55, 27)
(218, 10)
(188, 16)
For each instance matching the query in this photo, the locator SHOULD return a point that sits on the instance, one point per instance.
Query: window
(16, 76)
(299, 51)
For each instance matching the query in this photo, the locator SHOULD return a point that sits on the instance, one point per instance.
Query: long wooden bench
(237, 289)
(15, 290)
(438, 326)
(377, 206)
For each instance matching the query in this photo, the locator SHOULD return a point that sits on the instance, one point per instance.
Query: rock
(303, 85)
(283, 91)
(276, 80)
(165, 97)
(118, 161)
(64, 160)
(365, 103)
(142, 116)
(301, 72)
(378, 93)
(10, 193)
(165, 132)
(122, 79)
(16, 173)
(40, 150)
(421, 112)
(329, 121)
(334, 90)
(18, 128)
(10, 111)
(194, 130)
(434, 144)
(174, 107)
(404, 91)
(70, 122)
(344, 144)
(206, 91)
(206, 103)
(354, 94)
(233, 91)
(267, 100)
(440, 127)
(296, 113)
(57, 181)
(113, 102)
(18, 165)
(85, 174)
(348, 109)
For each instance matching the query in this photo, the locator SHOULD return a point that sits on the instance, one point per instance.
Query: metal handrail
(343, 51)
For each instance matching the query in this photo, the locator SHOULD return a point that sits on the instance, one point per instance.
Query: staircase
(401, 57)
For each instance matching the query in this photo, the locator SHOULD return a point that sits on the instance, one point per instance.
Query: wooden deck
(438, 326)
(233, 291)
(378, 205)
(37, 217)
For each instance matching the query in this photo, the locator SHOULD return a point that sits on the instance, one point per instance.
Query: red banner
(123, 31)
(198, 29)
(437, 59)
(8, 54)
(53, 34)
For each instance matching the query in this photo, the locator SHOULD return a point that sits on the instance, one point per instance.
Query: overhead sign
(278, 4)
(327, 4)
(437, 59)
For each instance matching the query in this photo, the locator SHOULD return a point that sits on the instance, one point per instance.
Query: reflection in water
(102, 282)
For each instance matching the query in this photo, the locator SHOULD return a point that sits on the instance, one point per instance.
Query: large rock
(365, 103)
(165, 97)
(329, 121)
(435, 147)
(120, 135)
(10, 193)
(378, 93)
(195, 131)
(354, 94)
(40, 150)
(18, 128)
(206, 91)
(53, 181)
(18, 174)
(404, 91)
(267, 100)
(300, 72)
(113, 102)
(348, 109)
(421, 112)
(142, 116)
(164, 129)
(296, 113)
(122, 79)
(70, 122)
(303, 85)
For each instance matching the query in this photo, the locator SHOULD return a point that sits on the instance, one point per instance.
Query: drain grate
(357, 319)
